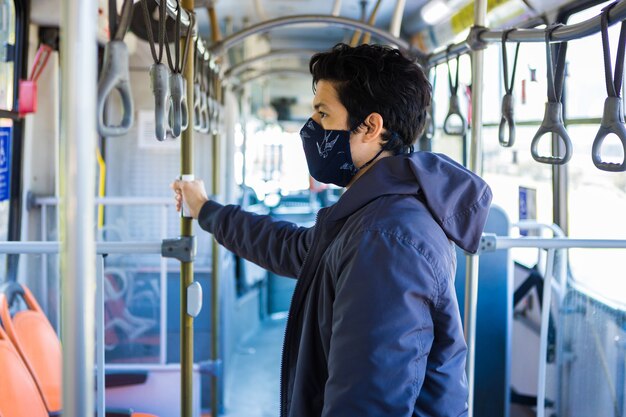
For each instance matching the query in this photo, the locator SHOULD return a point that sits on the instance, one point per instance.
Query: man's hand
(194, 194)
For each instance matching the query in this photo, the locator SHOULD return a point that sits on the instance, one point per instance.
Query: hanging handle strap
(204, 101)
(115, 74)
(159, 74)
(118, 25)
(197, 92)
(454, 109)
(508, 100)
(206, 98)
(159, 80)
(217, 106)
(210, 96)
(553, 115)
(157, 57)
(41, 59)
(613, 115)
(178, 112)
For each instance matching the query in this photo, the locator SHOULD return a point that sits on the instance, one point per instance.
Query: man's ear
(374, 125)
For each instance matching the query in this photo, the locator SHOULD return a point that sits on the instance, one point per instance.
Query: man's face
(328, 110)
(332, 115)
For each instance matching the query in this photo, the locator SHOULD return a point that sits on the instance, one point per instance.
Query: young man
(374, 327)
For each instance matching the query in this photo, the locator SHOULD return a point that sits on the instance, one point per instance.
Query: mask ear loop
(385, 147)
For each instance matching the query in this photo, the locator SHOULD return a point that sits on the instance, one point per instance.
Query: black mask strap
(394, 137)
(368, 163)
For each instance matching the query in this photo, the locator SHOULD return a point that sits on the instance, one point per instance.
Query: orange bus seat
(38, 345)
(19, 395)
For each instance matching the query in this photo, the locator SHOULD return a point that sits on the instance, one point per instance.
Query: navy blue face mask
(328, 154)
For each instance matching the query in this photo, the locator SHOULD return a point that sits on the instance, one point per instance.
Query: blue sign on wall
(5, 161)
(527, 207)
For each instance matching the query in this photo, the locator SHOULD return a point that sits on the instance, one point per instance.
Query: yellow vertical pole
(186, 268)
(215, 265)
(215, 261)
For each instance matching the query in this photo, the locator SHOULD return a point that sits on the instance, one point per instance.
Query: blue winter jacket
(374, 327)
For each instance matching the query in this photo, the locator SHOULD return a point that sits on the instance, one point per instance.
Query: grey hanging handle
(179, 111)
(508, 101)
(159, 73)
(159, 81)
(197, 106)
(204, 112)
(185, 108)
(454, 109)
(214, 105)
(613, 115)
(612, 123)
(114, 74)
(115, 77)
(508, 119)
(204, 100)
(552, 123)
(553, 116)
(176, 104)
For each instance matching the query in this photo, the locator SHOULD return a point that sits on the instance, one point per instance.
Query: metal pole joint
(31, 200)
(488, 243)
(473, 41)
(183, 248)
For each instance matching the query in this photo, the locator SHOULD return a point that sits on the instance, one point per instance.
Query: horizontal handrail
(491, 242)
(561, 34)
(113, 201)
(40, 247)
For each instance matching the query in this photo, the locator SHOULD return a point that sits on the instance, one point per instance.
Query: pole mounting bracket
(182, 248)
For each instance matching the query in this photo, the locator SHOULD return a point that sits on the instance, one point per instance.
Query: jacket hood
(457, 199)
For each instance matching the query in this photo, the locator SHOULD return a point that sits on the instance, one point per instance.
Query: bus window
(596, 198)
(507, 169)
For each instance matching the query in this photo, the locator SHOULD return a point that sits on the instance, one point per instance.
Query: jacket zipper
(284, 359)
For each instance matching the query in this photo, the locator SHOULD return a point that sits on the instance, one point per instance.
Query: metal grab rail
(102, 248)
(110, 201)
(492, 242)
(172, 11)
(556, 267)
(76, 221)
(222, 46)
(277, 53)
(272, 71)
(562, 34)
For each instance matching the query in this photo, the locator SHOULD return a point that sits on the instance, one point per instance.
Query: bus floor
(252, 385)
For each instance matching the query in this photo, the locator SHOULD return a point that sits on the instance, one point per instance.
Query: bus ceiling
(426, 25)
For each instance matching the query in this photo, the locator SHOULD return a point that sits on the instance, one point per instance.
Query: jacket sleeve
(382, 329)
(278, 246)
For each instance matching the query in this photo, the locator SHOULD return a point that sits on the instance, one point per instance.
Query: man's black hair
(376, 78)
